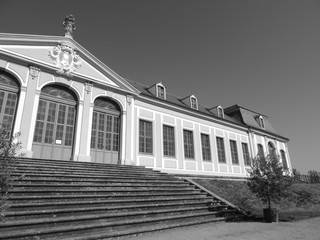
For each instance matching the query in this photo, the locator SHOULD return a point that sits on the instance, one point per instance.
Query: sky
(262, 55)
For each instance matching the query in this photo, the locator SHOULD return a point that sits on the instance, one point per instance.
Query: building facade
(68, 105)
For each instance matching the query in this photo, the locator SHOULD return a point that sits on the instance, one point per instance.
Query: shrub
(9, 147)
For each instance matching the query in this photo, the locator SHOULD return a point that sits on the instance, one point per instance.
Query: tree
(9, 147)
(269, 181)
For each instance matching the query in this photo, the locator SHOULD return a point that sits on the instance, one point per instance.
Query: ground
(308, 229)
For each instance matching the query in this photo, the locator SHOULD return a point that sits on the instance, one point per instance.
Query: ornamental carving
(65, 58)
(34, 71)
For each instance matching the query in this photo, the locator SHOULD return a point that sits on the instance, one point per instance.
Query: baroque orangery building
(68, 105)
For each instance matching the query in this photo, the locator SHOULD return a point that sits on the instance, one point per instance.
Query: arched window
(55, 123)
(105, 131)
(261, 122)
(193, 102)
(284, 159)
(161, 91)
(220, 112)
(260, 151)
(9, 89)
(272, 149)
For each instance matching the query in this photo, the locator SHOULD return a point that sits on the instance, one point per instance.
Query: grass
(302, 202)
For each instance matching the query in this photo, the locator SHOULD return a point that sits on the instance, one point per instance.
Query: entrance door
(105, 132)
(54, 131)
(8, 100)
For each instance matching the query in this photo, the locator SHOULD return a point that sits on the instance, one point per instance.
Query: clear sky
(263, 55)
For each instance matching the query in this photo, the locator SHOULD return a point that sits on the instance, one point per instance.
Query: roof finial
(69, 25)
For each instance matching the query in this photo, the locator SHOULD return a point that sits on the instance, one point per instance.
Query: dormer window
(193, 102)
(220, 112)
(261, 122)
(161, 92)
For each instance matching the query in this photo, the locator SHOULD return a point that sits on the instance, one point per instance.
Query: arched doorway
(55, 124)
(105, 131)
(9, 90)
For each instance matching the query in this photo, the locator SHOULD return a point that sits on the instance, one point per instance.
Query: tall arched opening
(105, 131)
(55, 124)
(9, 92)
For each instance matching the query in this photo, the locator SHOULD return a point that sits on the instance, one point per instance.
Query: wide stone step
(45, 205)
(106, 186)
(68, 231)
(98, 187)
(87, 172)
(101, 197)
(22, 173)
(111, 191)
(79, 211)
(81, 177)
(31, 161)
(84, 168)
(105, 182)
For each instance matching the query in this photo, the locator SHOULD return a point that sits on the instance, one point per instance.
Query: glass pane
(69, 136)
(52, 112)
(61, 114)
(41, 110)
(49, 133)
(1, 100)
(71, 115)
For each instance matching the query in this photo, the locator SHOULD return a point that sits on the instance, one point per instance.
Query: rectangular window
(221, 151)
(160, 92)
(188, 144)
(145, 137)
(246, 156)
(234, 152)
(168, 141)
(205, 142)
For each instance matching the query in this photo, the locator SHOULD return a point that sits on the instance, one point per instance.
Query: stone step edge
(87, 209)
(14, 197)
(75, 166)
(21, 174)
(53, 161)
(53, 230)
(66, 203)
(119, 185)
(55, 220)
(33, 191)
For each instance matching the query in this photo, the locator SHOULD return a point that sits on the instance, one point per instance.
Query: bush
(9, 147)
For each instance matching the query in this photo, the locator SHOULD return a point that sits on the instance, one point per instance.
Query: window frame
(193, 102)
(234, 152)
(261, 122)
(143, 146)
(160, 86)
(205, 147)
(221, 151)
(260, 151)
(169, 141)
(246, 154)
(188, 145)
(284, 159)
(220, 112)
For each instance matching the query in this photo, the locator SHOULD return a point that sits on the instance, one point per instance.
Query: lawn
(302, 202)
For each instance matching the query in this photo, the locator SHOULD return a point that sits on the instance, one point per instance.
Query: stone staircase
(74, 200)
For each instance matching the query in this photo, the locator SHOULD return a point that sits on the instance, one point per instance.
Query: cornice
(36, 40)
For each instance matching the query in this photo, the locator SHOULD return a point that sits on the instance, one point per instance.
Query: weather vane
(69, 25)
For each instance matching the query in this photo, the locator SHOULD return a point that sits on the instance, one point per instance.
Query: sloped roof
(172, 99)
(250, 118)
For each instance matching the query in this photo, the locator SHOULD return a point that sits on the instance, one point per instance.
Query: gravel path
(308, 229)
